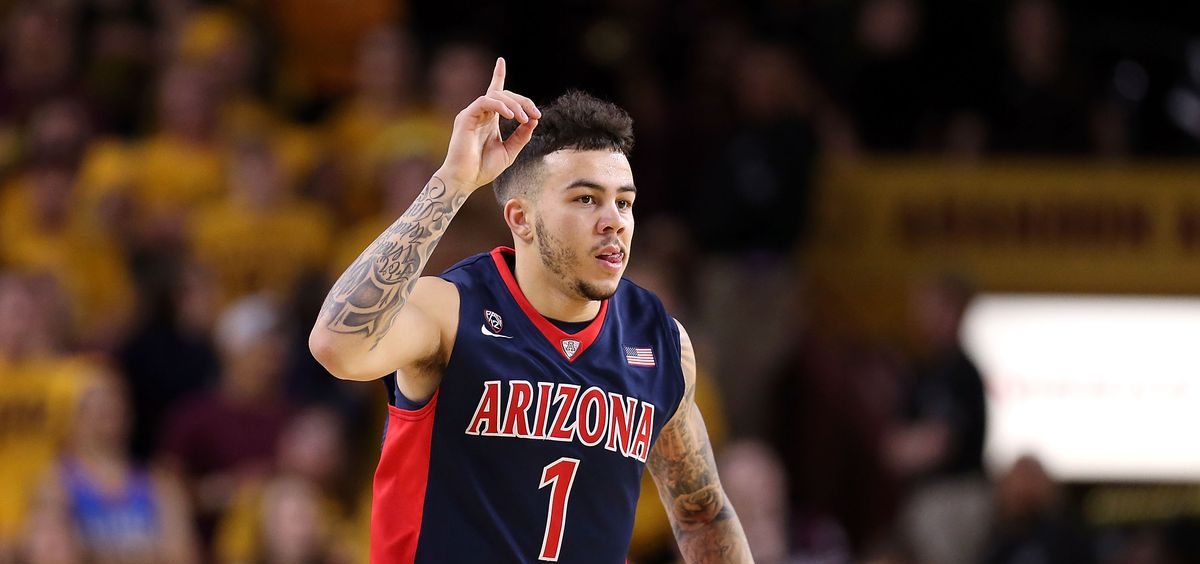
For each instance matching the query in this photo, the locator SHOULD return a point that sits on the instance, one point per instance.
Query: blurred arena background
(941, 259)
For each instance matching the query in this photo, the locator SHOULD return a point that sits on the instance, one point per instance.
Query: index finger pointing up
(497, 76)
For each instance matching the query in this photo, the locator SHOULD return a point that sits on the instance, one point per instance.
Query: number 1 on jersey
(559, 475)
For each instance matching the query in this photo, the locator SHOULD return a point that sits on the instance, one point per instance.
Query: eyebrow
(592, 185)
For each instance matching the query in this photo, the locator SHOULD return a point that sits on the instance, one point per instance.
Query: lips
(612, 255)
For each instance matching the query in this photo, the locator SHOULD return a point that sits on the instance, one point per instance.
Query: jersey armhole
(458, 325)
(397, 398)
(676, 362)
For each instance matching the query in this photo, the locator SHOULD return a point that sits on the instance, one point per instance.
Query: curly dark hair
(576, 120)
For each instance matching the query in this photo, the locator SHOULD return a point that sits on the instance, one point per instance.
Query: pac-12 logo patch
(494, 320)
(570, 347)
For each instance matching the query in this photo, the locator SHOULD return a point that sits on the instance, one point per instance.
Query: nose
(612, 220)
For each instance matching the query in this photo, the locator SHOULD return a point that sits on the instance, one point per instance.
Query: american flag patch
(639, 356)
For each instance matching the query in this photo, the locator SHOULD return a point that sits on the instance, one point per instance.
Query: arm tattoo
(369, 295)
(683, 467)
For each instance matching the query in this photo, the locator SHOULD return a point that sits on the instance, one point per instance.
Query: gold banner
(1029, 226)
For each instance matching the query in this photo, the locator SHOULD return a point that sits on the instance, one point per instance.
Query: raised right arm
(372, 297)
(381, 316)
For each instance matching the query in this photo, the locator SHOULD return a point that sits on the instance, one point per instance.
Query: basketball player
(529, 386)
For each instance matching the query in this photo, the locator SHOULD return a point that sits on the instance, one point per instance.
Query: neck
(546, 292)
(98, 452)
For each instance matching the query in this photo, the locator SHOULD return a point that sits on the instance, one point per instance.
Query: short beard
(557, 257)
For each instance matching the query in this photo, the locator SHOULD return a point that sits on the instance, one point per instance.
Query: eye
(624, 204)
(586, 200)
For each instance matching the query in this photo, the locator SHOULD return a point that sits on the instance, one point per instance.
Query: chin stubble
(556, 257)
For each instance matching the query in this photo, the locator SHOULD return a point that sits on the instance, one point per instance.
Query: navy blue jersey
(533, 446)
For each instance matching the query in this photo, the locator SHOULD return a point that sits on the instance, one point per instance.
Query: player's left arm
(681, 462)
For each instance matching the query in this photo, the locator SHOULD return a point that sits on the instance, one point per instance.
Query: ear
(518, 214)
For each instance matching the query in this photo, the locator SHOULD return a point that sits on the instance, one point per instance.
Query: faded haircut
(576, 120)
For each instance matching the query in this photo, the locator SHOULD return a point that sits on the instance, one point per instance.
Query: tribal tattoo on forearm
(369, 295)
(705, 524)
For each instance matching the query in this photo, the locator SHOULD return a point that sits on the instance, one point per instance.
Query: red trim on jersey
(552, 333)
(399, 490)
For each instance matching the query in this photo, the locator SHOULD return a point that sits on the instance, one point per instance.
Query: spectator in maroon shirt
(224, 438)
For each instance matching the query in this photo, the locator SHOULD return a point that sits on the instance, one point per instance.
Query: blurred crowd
(181, 180)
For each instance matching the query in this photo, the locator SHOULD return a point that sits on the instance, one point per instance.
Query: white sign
(1099, 387)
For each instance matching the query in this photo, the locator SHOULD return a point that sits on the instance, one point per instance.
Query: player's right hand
(477, 153)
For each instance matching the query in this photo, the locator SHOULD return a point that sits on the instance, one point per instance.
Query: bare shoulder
(432, 293)
(687, 359)
(438, 300)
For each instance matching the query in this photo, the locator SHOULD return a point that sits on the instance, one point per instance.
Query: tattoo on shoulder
(369, 295)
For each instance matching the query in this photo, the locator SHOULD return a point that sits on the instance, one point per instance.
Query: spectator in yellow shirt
(41, 231)
(181, 165)
(387, 89)
(259, 238)
(318, 39)
(388, 98)
(220, 42)
(405, 164)
(385, 120)
(39, 388)
(104, 190)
